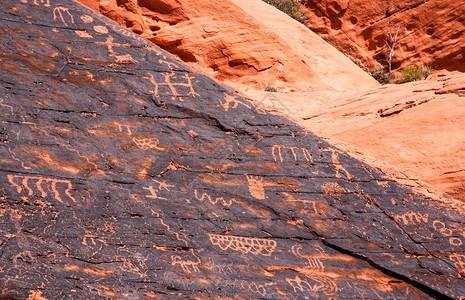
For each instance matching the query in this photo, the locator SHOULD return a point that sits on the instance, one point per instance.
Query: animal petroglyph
(147, 144)
(232, 102)
(42, 184)
(187, 266)
(122, 59)
(412, 218)
(63, 14)
(256, 188)
(314, 261)
(297, 153)
(221, 200)
(242, 244)
(315, 284)
(172, 86)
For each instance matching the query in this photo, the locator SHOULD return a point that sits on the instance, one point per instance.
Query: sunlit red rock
(245, 43)
(430, 32)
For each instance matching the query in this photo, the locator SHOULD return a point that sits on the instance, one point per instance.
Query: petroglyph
(297, 153)
(308, 204)
(339, 167)
(172, 86)
(122, 59)
(87, 19)
(101, 29)
(243, 244)
(220, 200)
(56, 186)
(63, 14)
(313, 261)
(441, 227)
(124, 128)
(256, 188)
(459, 262)
(315, 284)
(187, 266)
(232, 102)
(412, 218)
(41, 2)
(147, 144)
(154, 192)
(262, 289)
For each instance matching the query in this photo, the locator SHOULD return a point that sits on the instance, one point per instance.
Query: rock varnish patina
(125, 174)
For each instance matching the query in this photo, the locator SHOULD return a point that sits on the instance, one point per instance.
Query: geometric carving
(243, 244)
(172, 85)
(187, 266)
(23, 182)
(213, 200)
(146, 144)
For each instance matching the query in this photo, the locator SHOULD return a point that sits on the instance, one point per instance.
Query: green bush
(411, 73)
(290, 7)
(270, 88)
(414, 72)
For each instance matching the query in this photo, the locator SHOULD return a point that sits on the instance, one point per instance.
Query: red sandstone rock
(248, 44)
(415, 128)
(430, 32)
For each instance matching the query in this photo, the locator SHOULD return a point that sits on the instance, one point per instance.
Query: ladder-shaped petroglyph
(213, 200)
(154, 192)
(187, 266)
(412, 218)
(63, 14)
(315, 284)
(43, 185)
(147, 143)
(173, 87)
(244, 245)
(298, 153)
(256, 187)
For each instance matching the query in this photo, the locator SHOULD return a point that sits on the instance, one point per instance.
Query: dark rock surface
(125, 174)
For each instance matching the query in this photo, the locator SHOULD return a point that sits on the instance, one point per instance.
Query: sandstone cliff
(248, 44)
(430, 31)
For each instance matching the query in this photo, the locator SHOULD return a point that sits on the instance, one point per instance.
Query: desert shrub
(270, 88)
(381, 75)
(426, 70)
(411, 73)
(290, 7)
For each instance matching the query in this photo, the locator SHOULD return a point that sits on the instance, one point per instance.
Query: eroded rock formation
(125, 174)
(247, 44)
(416, 129)
(430, 31)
